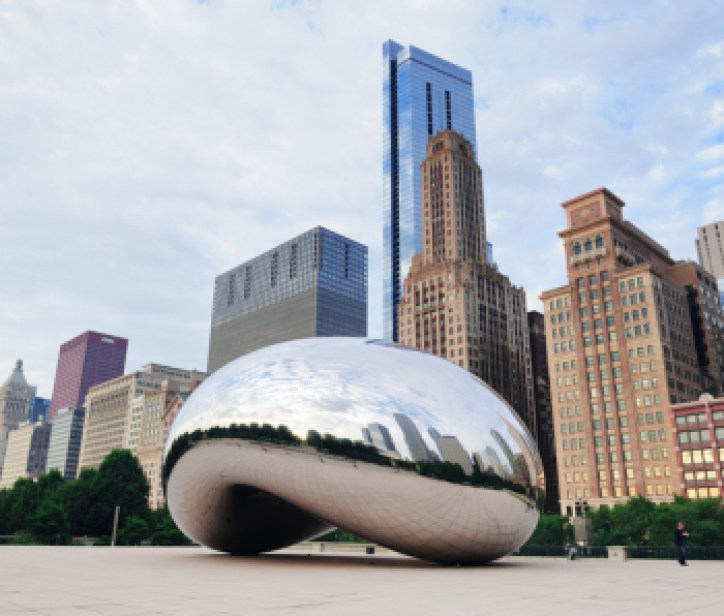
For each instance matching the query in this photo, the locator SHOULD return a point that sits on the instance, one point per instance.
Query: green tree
(552, 530)
(133, 532)
(21, 504)
(120, 482)
(602, 525)
(77, 497)
(49, 525)
(165, 531)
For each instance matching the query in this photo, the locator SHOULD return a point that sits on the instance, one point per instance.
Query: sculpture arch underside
(246, 497)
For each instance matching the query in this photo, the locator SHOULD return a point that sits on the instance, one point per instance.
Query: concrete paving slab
(95, 580)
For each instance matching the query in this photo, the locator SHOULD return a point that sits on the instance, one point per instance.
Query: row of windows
(592, 280)
(588, 244)
(559, 303)
(698, 418)
(710, 492)
(702, 475)
(694, 437)
(631, 283)
(700, 456)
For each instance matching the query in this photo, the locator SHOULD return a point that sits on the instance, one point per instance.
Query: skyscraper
(84, 361)
(422, 94)
(621, 349)
(544, 408)
(312, 285)
(456, 304)
(710, 248)
(16, 405)
(65, 440)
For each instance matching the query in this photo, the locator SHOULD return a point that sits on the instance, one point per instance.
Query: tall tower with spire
(16, 402)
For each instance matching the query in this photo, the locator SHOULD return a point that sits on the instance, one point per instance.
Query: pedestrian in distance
(681, 536)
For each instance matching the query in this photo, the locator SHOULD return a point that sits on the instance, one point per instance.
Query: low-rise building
(699, 436)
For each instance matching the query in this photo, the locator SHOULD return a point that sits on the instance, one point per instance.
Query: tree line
(640, 522)
(52, 510)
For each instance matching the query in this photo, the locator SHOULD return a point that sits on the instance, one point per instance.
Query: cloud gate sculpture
(393, 444)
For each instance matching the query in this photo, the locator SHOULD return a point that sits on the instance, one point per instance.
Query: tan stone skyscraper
(621, 349)
(455, 304)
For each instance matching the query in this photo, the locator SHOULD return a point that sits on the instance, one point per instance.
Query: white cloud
(553, 172)
(712, 153)
(713, 172)
(656, 173)
(715, 49)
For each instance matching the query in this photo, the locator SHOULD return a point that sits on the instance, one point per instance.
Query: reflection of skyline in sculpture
(379, 436)
(531, 468)
(451, 450)
(495, 462)
(413, 438)
(517, 468)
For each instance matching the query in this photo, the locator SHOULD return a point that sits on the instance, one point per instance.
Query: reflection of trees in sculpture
(345, 448)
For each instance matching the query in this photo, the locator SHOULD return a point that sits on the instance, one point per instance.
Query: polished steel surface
(247, 496)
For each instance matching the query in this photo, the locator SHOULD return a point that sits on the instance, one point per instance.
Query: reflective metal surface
(245, 495)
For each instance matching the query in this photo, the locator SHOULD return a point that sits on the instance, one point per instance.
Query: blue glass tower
(422, 94)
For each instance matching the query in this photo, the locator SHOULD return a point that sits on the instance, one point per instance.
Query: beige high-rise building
(26, 453)
(455, 304)
(116, 409)
(621, 349)
(160, 409)
(710, 248)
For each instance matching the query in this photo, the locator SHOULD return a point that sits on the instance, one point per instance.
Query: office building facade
(66, 436)
(16, 404)
(621, 350)
(161, 409)
(422, 94)
(113, 408)
(312, 285)
(84, 361)
(455, 304)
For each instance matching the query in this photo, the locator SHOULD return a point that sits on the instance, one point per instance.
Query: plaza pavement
(97, 580)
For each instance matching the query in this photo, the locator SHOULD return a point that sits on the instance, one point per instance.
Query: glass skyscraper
(422, 94)
(312, 285)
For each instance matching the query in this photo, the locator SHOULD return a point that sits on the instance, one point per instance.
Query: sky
(147, 146)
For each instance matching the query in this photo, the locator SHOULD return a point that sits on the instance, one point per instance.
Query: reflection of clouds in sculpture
(339, 386)
(410, 405)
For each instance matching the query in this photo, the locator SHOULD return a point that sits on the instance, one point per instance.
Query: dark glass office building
(312, 285)
(422, 95)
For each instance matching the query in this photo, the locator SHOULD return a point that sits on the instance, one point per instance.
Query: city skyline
(145, 146)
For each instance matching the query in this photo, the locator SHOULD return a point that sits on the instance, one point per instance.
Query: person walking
(681, 536)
